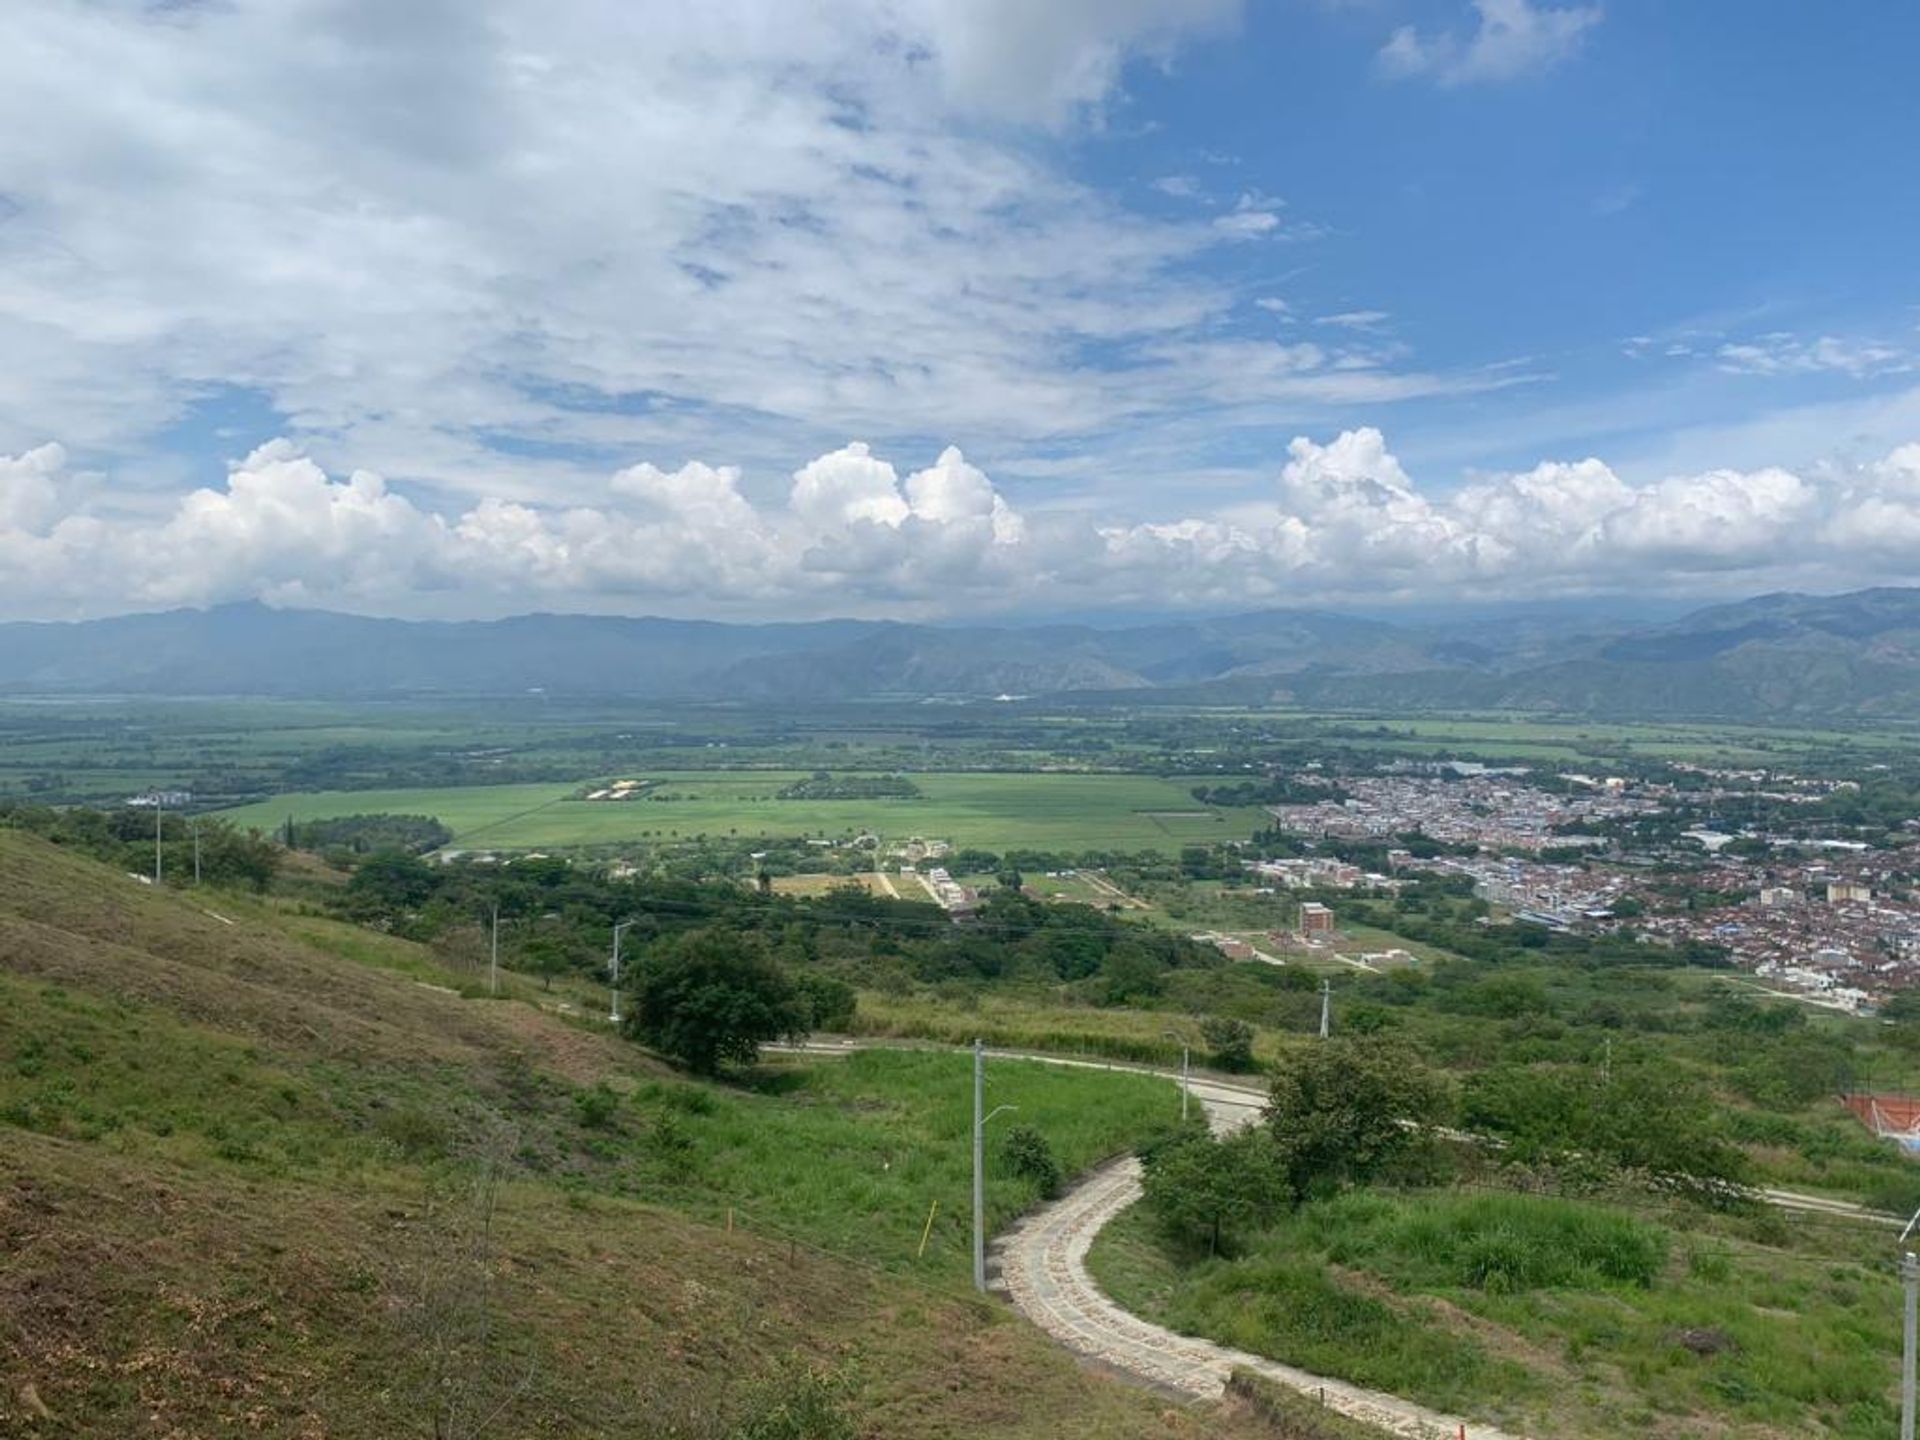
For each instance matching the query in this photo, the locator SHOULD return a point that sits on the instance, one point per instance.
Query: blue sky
(1700, 175)
(926, 307)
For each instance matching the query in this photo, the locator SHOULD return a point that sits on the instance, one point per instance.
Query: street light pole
(618, 929)
(979, 1187)
(979, 1169)
(1910, 1277)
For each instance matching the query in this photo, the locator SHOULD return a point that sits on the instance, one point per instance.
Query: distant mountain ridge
(1780, 655)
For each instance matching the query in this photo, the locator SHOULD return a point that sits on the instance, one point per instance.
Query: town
(1832, 921)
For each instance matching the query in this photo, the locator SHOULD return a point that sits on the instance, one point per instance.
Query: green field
(1072, 812)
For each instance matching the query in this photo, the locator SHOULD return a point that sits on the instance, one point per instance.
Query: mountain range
(1782, 655)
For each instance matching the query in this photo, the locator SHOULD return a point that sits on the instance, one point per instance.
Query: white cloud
(1356, 319)
(1053, 62)
(439, 238)
(1781, 353)
(1252, 216)
(1343, 521)
(1512, 39)
(28, 495)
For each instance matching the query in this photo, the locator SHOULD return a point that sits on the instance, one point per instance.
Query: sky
(949, 309)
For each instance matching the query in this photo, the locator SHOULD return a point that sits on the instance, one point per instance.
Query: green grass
(1563, 1320)
(234, 1157)
(855, 1154)
(1301, 1314)
(847, 1155)
(1070, 812)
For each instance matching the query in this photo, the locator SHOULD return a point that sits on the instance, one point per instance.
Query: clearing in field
(997, 811)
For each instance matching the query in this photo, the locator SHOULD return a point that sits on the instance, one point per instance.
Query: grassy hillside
(253, 1182)
(1564, 1319)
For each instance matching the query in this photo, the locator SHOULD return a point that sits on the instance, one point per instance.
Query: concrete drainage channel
(1040, 1266)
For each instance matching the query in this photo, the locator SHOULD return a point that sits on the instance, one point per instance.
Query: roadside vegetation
(1547, 1316)
(1570, 1269)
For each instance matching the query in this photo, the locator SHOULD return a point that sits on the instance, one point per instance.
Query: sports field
(1066, 812)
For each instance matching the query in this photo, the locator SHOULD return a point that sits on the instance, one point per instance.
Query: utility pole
(1606, 1062)
(493, 954)
(194, 824)
(1326, 1008)
(614, 1017)
(1910, 1278)
(158, 806)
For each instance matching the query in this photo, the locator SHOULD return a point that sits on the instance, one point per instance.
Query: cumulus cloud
(1344, 520)
(28, 497)
(1511, 39)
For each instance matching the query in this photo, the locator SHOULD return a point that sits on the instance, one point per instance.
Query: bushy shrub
(798, 1402)
(1026, 1153)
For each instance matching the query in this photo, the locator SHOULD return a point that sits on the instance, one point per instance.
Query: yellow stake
(927, 1231)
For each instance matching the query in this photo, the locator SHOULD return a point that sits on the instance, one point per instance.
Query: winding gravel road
(1043, 1270)
(1041, 1265)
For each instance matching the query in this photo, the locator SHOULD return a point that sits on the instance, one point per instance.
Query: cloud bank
(497, 243)
(853, 535)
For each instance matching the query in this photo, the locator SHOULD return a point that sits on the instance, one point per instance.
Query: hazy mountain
(1776, 655)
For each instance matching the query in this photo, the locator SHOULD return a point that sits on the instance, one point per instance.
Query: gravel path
(1043, 1270)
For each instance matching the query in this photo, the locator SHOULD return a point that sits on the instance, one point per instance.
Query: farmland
(1037, 811)
(232, 752)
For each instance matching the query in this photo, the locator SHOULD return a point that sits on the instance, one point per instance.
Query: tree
(391, 882)
(710, 998)
(231, 856)
(1342, 1111)
(827, 1003)
(1231, 1044)
(546, 956)
(1202, 1191)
